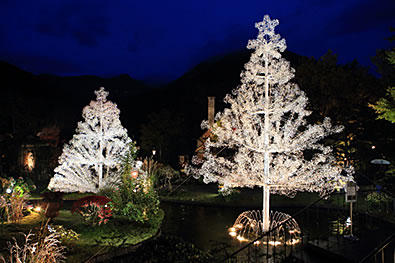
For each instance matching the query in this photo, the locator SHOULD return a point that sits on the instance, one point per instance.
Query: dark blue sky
(163, 39)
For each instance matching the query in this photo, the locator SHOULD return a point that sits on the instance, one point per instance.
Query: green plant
(13, 199)
(136, 198)
(379, 201)
(170, 249)
(141, 207)
(166, 176)
(67, 237)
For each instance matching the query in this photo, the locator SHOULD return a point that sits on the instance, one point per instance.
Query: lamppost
(153, 153)
(351, 197)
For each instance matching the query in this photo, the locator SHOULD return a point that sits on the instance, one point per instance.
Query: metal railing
(332, 213)
(382, 253)
(234, 256)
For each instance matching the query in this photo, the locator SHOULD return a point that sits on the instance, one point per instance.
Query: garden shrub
(167, 176)
(13, 199)
(135, 198)
(379, 202)
(95, 210)
(67, 237)
(170, 249)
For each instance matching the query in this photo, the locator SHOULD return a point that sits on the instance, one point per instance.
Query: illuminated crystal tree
(92, 158)
(264, 139)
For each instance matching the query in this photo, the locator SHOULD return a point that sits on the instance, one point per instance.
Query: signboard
(351, 192)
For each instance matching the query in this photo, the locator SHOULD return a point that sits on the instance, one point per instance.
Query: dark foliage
(167, 249)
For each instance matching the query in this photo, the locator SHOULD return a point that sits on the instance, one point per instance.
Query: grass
(208, 194)
(93, 240)
(67, 196)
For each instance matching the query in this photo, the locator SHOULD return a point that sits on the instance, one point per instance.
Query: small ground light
(37, 209)
(8, 191)
(373, 147)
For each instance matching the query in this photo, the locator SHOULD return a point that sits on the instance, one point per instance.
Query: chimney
(211, 110)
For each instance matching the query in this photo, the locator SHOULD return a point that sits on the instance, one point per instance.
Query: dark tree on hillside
(165, 133)
(343, 92)
(385, 107)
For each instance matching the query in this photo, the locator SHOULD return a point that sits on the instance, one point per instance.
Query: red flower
(102, 211)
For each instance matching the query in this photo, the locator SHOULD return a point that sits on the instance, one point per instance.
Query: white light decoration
(92, 158)
(263, 138)
(249, 226)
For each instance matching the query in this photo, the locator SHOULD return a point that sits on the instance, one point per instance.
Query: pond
(203, 226)
(207, 226)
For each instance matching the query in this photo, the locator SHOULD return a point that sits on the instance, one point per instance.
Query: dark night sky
(163, 39)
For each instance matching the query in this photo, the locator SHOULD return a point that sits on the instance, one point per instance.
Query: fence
(325, 227)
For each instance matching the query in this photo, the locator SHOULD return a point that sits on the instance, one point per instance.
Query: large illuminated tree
(92, 158)
(264, 139)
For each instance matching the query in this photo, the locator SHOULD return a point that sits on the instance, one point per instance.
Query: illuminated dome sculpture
(249, 226)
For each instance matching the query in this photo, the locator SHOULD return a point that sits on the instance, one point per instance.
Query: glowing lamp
(134, 174)
(37, 209)
(8, 191)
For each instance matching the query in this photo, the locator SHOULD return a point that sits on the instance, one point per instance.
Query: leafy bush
(95, 210)
(167, 176)
(67, 237)
(13, 199)
(136, 198)
(170, 249)
(379, 202)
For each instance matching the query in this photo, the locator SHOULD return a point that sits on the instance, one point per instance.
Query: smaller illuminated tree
(263, 139)
(93, 157)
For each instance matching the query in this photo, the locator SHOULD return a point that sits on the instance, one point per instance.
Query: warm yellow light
(37, 209)
(257, 242)
(29, 161)
(233, 234)
(232, 229)
(239, 226)
(293, 231)
(274, 243)
(293, 241)
(134, 174)
(241, 239)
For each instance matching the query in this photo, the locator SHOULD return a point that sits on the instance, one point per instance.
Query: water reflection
(201, 225)
(208, 227)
